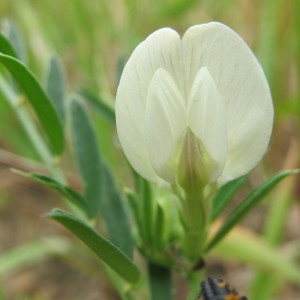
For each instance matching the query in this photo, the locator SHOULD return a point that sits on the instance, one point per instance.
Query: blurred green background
(93, 39)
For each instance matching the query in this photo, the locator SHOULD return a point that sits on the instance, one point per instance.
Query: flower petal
(160, 50)
(207, 120)
(165, 124)
(242, 86)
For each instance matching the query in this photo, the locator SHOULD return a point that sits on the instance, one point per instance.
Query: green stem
(195, 217)
(194, 280)
(31, 130)
(160, 282)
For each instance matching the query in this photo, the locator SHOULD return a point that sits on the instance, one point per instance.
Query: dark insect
(218, 289)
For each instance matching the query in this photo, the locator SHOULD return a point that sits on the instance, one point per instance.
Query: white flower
(209, 84)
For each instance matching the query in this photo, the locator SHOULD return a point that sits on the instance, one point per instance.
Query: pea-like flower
(200, 103)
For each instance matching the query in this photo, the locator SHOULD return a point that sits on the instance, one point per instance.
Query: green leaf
(100, 106)
(225, 195)
(74, 197)
(88, 156)
(56, 85)
(115, 217)
(103, 248)
(134, 204)
(159, 229)
(146, 209)
(247, 205)
(40, 102)
(263, 286)
(16, 39)
(6, 47)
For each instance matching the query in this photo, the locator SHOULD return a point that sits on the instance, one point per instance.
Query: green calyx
(193, 177)
(192, 170)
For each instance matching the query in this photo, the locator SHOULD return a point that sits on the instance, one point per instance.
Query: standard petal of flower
(160, 50)
(207, 120)
(165, 124)
(242, 86)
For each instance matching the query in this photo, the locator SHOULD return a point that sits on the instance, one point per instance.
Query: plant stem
(160, 279)
(194, 280)
(195, 213)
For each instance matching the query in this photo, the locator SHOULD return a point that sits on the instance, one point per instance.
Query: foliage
(68, 119)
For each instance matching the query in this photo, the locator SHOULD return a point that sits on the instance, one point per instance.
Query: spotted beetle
(218, 289)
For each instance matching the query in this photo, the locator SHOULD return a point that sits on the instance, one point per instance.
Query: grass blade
(264, 286)
(32, 253)
(244, 246)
